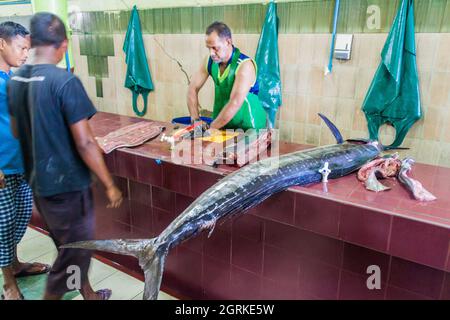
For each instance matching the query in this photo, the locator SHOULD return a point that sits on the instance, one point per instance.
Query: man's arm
(197, 82)
(245, 77)
(90, 153)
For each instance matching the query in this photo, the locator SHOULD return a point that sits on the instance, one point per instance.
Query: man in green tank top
(236, 103)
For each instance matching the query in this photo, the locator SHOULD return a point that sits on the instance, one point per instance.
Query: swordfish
(235, 194)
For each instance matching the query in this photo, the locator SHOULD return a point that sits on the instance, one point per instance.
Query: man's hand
(2, 180)
(201, 129)
(213, 132)
(114, 196)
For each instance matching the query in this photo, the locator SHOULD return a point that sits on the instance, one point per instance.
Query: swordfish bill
(235, 194)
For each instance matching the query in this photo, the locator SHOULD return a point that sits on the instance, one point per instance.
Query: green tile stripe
(294, 17)
(96, 29)
(97, 44)
(430, 15)
(99, 85)
(98, 66)
(302, 16)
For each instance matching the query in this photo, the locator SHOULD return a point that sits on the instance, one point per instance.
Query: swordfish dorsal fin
(333, 129)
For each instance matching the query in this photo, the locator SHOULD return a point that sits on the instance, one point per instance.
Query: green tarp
(393, 96)
(269, 65)
(138, 78)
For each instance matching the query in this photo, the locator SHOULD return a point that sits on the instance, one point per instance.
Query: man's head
(219, 42)
(48, 30)
(14, 44)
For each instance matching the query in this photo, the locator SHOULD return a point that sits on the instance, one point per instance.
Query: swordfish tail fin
(151, 258)
(153, 272)
(334, 130)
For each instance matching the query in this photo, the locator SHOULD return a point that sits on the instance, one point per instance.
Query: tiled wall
(306, 90)
(304, 43)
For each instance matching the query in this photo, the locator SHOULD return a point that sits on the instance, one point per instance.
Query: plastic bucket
(187, 120)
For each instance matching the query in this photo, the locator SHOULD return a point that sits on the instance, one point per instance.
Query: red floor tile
(381, 200)
(272, 290)
(141, 234)
(247, 254)
(343, 186)
(163, 199)
(122, 184)
(318, 279)
(249, 226)
(195, 243)
(422, 218)
(121, 214)
(365, 227)
(217, 278)
(161, 219)
(283, 236)
(448, 260)
(113, 230)
(357, 260)
(279, 207)
(394, 293)
(141, 218)
(446, 288)
(110, 162)
(189, 273)
(439, 209)
(317, 215)
(202, 180)
(425, 173)
(149, 171)
(182, 202)
(218, 245)
(442, 205)
(280, 265)
(245, 285)
(225, 224)
(126, 165)
(170, 277)
(416, 278)
(176, 178)
(419, 242)
(321, 248)
(140, 193)
(354, 287)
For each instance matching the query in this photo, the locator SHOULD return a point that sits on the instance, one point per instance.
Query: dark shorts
(69, 218)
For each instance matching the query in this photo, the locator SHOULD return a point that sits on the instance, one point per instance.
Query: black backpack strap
(209, 65)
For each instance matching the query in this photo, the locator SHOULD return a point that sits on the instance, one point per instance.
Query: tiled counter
(303, 243)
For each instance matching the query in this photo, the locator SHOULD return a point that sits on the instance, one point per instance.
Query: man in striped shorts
(15, 194)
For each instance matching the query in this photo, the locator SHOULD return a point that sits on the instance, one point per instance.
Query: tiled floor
(38, 247)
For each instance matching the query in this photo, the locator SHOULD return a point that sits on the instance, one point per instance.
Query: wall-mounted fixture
(343, 46)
